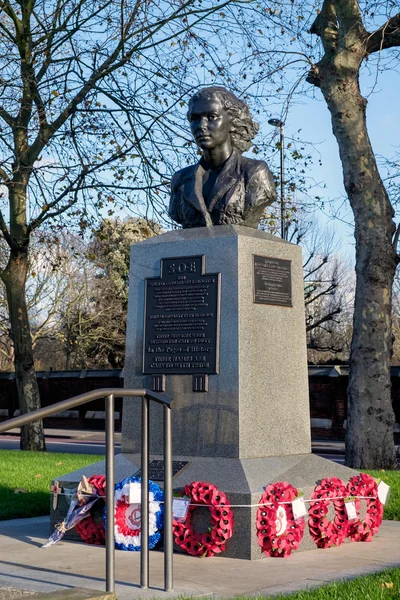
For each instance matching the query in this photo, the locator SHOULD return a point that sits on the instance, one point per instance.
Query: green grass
(380, 586)
(392, 478)
(33, 472)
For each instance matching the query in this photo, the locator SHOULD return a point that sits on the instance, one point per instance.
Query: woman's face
(210, 123)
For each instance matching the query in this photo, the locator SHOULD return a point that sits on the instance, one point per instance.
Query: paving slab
(25, 566)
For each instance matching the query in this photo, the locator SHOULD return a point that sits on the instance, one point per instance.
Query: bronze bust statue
(224, 187)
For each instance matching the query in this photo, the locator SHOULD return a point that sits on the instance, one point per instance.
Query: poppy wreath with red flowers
(364, 530)
(327, 533)
(89, 530)
(272, 541)
(221, 530)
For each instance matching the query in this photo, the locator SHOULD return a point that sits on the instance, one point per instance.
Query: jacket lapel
(193, 192)
(193, 188)
(226, 179)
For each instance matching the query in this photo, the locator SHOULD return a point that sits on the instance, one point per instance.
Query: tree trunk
(14, 277)
(370, 417)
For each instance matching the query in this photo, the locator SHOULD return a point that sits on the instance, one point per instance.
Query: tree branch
(323, 319)
(340, 26)
(386, 36)
(4, 177)
(325, 26)
(5, 232)
(46, 214)
(350, 21)
(327, 292)
(396, 241)
(111, 64)
(7, 117)
(319, 347)
(6, 6)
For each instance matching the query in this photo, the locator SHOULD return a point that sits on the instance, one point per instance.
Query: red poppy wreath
(324, 532)
(277, 531)
(213, 541)
(89, 530)
(363, 530)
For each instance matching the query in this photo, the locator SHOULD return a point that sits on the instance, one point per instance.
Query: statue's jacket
(241, 191)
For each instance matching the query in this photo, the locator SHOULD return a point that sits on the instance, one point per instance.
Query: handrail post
(110, 543)
(109, 394)
(168, 538)
(144, 520)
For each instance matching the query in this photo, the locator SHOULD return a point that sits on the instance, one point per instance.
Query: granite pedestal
(252, 427)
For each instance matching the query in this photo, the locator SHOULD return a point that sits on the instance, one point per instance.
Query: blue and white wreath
(127, 517)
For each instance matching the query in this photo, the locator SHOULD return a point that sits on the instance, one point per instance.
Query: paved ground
(24, 565)
(74, 441)
(78, 441)
(78, 434)
(93, 442)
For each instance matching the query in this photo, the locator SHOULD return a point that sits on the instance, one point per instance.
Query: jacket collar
(192, 189)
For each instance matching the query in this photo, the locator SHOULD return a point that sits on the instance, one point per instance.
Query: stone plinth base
(243, 481)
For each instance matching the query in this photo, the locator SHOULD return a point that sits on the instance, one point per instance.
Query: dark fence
(328, 399)
(55, 386)
(327, 384)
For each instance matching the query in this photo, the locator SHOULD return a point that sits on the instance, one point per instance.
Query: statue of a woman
(224, 187)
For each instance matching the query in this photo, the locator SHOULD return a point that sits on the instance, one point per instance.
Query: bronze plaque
(181, 319)
(156, 469)
(272, 282)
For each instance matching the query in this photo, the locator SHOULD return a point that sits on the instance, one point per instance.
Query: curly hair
(243, 127)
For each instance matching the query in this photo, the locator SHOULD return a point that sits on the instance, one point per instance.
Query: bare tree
(396, 322)
(346, 44)
(45, 288)
(328, 292)
(80, 98)
(92, 321)
(328, 46)
(329, 301)
(77, 295)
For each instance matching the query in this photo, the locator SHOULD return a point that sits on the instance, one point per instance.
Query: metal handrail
(109, 394)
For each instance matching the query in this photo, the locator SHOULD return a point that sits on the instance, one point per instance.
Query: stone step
(75, 594)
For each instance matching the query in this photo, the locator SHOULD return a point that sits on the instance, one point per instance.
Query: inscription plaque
(181, 319)
(156, 469)
(272, 281)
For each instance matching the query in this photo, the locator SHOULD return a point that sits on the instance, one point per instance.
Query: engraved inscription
(182, 319)
(156, 469)
(272, 281)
